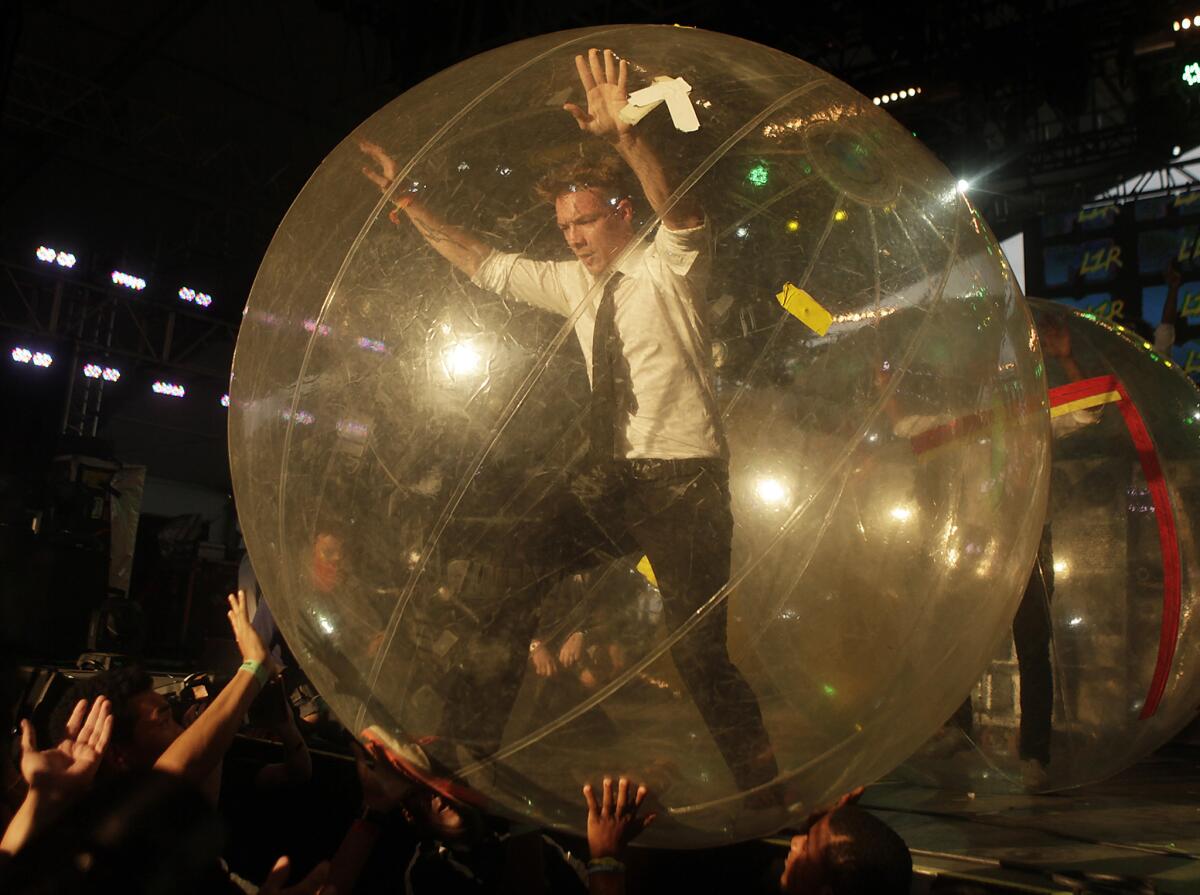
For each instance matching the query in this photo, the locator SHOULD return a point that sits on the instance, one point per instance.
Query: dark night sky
(168, 139)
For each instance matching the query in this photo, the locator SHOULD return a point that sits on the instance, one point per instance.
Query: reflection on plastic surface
(1100, 670)
(434, 522)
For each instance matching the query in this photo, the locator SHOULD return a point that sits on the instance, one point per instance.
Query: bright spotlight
(771, 491)
(462, 360)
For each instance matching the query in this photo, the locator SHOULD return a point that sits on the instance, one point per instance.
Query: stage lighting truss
(1186, 24)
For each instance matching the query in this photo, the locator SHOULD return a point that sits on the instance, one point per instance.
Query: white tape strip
(674, 92)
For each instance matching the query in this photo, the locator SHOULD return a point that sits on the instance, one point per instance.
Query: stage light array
(896, 96)
(129, 281)
(1186, 24)
(23, 355)
(199, 299)
(47, 255)
(170, 389)
(95, 371)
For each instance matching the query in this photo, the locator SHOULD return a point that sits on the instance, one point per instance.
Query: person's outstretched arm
(459, 246)
(604, 80)
(198, 751)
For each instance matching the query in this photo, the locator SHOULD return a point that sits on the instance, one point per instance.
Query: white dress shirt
(661, 319)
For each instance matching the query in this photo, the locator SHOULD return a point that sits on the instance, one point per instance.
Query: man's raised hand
(603, 80)
(384, 171)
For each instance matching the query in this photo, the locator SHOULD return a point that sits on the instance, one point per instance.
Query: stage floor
(1137, 832)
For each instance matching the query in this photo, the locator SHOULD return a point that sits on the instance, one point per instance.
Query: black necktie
(606, 361)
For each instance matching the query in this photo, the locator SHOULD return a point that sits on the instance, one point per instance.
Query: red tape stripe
(1168, 544)
(1084, 388)
(1163, 513)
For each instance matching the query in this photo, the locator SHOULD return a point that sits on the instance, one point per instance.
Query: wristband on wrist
(394, 214)
(258, 669)
(604, 865)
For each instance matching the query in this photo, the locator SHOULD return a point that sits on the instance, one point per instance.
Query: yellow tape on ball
(647, 572)
(805, 308)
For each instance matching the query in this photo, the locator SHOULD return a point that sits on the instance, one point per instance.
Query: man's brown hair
(605, 173)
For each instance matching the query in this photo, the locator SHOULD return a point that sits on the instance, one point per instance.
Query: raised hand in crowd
(61, 774)
(612, 823)
(197, 752)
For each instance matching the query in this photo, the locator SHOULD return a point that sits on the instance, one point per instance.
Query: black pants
(678, 513)
(1031, 636)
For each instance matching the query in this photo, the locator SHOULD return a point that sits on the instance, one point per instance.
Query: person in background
(145, 733)
(1164, 333)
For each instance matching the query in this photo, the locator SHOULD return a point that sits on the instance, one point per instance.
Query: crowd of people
(129, 797)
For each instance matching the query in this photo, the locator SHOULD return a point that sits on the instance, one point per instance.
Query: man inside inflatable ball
(656, 477)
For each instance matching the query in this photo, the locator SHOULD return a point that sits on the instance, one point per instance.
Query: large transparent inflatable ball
(662, 412)
(1099, 670)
